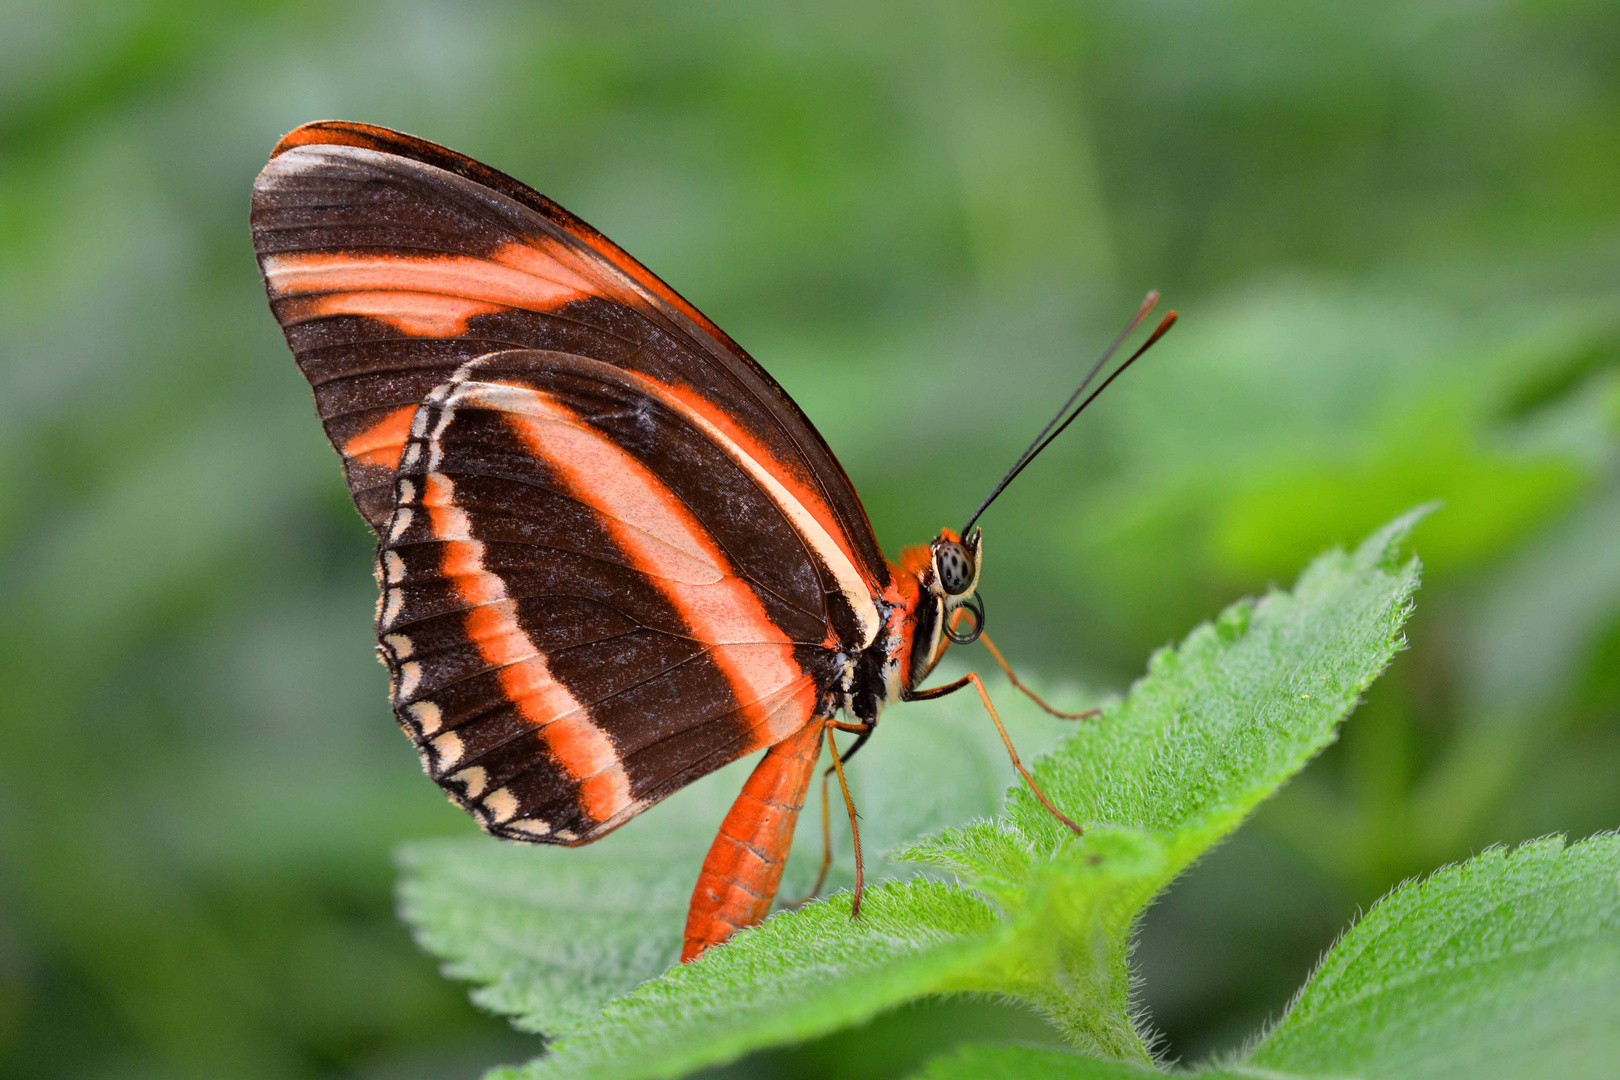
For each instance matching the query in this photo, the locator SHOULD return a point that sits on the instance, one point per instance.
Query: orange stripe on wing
(662, 539)
(414, 313)
(378, 140)
(382, 442)
(422, 295)
(810, 514)
(584, 751)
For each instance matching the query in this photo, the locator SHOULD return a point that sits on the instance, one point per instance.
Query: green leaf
(1507, 966)
(548, 948)
(1212, 728)
(991, 1062)
(551, 935)
(808, 972)
(1494, 498)
(794, 977)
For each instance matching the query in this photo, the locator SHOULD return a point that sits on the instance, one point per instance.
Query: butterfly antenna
(1054, 428)
(1149, 302)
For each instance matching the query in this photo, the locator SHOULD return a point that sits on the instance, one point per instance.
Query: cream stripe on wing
(584, 750)
(660, 537)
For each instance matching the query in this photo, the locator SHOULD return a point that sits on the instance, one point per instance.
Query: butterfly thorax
(917, 608)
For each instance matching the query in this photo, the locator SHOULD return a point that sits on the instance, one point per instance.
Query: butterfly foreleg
(972, 678)
(1018, 683)
(1032, 695)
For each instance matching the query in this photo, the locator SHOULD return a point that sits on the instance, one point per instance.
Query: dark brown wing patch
(587, 603)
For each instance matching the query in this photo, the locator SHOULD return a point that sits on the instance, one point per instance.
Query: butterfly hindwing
(589, 597)
(390, 262)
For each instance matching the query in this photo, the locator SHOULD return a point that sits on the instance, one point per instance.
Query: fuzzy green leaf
(550, 935)
(1213, 728)
(789, 979)
(546, 944)
(1216, 725)
(1505, 966)
(992, 1062)
(1001, 1062)
(808, 972)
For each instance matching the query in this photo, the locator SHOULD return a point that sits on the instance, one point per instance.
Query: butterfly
(613, 554)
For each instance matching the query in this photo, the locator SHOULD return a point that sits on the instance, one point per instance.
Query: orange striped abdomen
(744, 865)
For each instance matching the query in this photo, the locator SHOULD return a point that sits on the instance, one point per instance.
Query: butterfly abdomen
(743, 869)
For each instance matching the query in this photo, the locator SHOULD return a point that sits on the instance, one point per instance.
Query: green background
(1393, 234)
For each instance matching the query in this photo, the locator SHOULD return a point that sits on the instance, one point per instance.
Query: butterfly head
(954, 577)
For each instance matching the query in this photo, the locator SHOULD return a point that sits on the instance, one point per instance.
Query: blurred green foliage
(1393, 232)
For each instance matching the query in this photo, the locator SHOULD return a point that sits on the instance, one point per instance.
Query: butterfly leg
(1006, 668)
(743, 869)
(1032, 695)
(1006, 740)
(864, 732)
(849, 804)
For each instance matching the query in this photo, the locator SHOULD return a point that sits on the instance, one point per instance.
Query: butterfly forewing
(588, 601)
(390, 262)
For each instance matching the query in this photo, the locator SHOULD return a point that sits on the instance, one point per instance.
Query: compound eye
(955, 568)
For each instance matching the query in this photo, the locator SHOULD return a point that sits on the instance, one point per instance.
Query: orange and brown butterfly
(613, 554)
